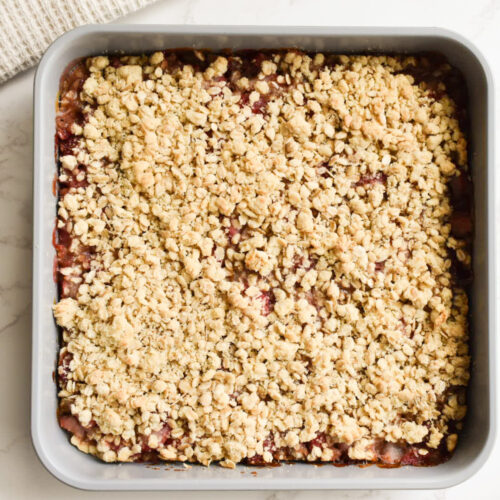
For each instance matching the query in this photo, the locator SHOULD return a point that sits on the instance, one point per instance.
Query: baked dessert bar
(263, 256)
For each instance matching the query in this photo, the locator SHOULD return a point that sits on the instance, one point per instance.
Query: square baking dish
(77, 469)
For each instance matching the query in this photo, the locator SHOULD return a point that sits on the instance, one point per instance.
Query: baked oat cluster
(258, 263)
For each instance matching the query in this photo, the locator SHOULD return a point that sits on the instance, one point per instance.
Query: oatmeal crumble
(261, 257)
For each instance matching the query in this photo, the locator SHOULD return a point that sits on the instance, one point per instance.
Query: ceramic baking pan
(51, 443)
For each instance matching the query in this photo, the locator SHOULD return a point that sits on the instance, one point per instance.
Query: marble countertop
(21, 474)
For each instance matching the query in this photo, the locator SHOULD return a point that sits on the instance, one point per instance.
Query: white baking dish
(78, 469)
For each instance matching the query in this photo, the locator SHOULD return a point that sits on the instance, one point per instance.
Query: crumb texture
(258, 256)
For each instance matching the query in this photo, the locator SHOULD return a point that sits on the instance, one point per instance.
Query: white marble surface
(21, 474)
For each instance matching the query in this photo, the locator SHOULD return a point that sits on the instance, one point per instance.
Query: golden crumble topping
(258, 264)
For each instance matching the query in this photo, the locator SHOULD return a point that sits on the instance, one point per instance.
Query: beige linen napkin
(27, 27)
